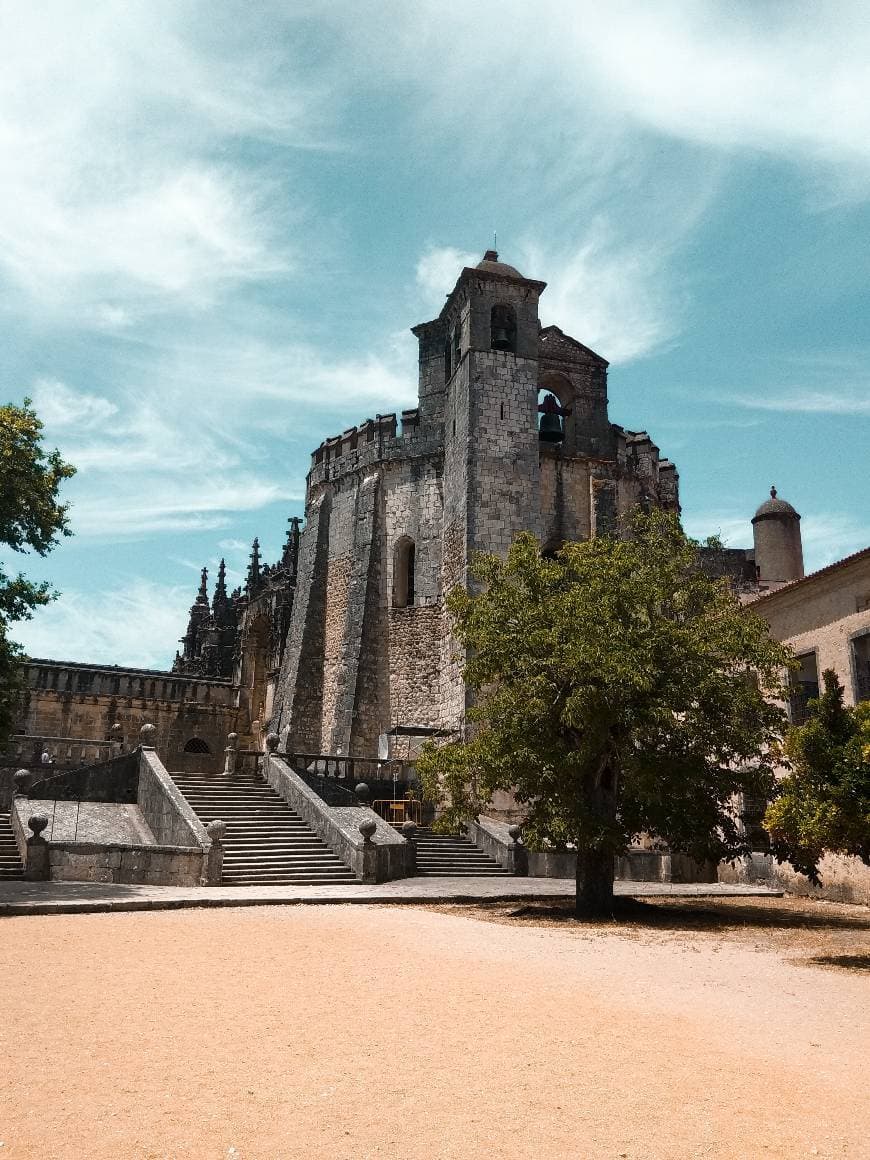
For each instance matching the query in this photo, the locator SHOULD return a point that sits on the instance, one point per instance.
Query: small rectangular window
(861, 663)
(804, 688)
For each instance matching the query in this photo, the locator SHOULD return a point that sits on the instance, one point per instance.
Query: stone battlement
(375, 441)
(372, 430)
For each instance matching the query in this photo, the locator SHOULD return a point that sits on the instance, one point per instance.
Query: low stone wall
(843, 879)
(493, 839)
(113, 780)
(177, 852)
(124, 862)
(385, 857)
(165, 809)
(155, 865)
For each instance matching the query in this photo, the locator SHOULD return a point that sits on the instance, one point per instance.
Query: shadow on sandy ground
(721, 914)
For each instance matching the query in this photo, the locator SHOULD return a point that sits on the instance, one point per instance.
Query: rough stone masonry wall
(79, 701)
(505, 476)
(298, 701)
(454, 539)
(340, 684)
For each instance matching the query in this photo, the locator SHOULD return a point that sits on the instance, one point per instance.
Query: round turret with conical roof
(776, 531)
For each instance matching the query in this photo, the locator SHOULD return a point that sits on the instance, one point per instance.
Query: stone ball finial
(37, 823)
(514, 833)
(147, 736)
(216, 830)
(362, 791)
(409, 829)
(367, 829)
(272, 742)
(21, 780)
(233, 740)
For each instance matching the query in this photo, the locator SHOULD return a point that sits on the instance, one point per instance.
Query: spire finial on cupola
(772, 492)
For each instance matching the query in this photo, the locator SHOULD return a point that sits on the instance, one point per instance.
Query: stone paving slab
(19, 898)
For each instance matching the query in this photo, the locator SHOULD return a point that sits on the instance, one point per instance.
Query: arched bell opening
(555, 411)
(403, 572)
(503, 328)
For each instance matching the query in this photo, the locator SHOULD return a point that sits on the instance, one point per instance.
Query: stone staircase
(266, 843)
(453, 856)
(10, 860)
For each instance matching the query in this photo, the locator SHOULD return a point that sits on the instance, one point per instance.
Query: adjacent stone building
(511, 433)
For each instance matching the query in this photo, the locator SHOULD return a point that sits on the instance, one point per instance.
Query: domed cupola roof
(491, 265)
(775, 507)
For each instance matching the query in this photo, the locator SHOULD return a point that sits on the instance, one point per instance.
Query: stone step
(11, 867)
(288, 879)
(265, 842)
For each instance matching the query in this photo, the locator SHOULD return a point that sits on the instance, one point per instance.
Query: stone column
(409, 833)
(215, 858)
(230, 754)
(37, 867)
(520, 865)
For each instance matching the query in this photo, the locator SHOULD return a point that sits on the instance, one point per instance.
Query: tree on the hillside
(823, 804)
(619, 691)
(31, 518)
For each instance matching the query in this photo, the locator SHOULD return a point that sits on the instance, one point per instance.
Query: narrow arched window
(457, 347)
(403, 573)
(196, 745)
(503, 328)
(447, 367)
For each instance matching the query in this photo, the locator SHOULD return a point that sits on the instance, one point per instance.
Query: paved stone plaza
(81, 897)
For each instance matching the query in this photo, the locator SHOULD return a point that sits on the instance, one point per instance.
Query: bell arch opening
(503, 328)
(403, 572)
(556, 411)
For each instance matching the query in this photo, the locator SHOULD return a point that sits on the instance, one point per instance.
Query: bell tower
(488, 370)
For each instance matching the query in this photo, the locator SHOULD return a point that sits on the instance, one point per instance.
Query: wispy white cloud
(137, 624)
(828, 536)
(119, 194)
(808, 402)
(437, 270)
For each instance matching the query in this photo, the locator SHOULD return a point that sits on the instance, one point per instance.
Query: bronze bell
(551, 430)
(501, 338)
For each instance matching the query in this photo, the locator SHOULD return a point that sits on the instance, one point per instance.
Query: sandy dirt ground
(359, 1031)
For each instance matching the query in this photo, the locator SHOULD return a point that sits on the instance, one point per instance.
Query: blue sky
(219, 220)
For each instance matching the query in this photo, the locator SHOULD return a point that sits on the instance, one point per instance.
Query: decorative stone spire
(202, 595)
(290, 556)
(253, 581)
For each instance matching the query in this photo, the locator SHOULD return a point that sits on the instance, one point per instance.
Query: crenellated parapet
(382, 439)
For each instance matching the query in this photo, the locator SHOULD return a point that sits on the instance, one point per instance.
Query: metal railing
(399, 810)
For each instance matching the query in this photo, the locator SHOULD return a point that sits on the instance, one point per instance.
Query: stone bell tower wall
(358, 661)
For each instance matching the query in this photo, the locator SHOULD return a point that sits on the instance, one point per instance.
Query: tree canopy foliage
(31, 518)
(823, 804)
(619, 692)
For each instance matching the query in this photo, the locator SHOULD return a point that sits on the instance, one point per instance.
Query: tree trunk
(595, 867)
(595, 862)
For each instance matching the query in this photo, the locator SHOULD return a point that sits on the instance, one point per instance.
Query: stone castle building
(394, 512)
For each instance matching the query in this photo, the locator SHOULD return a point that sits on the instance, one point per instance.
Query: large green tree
(31, 518)
(618, 691)
(823, 804)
